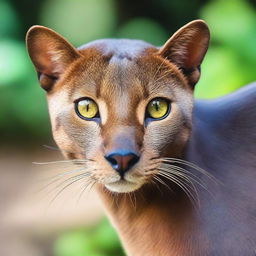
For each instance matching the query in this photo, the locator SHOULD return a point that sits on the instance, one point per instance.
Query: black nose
(122, 162)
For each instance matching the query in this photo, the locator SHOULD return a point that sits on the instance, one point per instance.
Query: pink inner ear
(43, 64)
(187, 47)
(49, 52)
(50, 60)
(196, 51)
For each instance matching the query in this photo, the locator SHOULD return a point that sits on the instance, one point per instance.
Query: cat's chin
(123, 186)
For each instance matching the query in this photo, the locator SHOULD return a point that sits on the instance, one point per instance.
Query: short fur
(166, 204)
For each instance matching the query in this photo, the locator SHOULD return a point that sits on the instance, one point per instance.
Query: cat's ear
(50, 53)
(186, 49)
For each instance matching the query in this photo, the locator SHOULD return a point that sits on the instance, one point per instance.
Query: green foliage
(80, 20)
(22, 104)
(143, 29)
(14, 64)
(230, 61)
(8, 20)
(99, 241)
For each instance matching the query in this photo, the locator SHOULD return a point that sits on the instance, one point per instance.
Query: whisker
(63, 161)
(183, 186)
(83, 190)
(60, 150)
(74, 181)
(135, 200)
(112, 196)
(155, 183)
(171, 177)
(93, 183)
(129, 194)
(62, 174)
(176, 170)
(85, 174)
(190, 164)
(54, 148)
(178, 175)
(188, 174)
(162, 182)
(194, 166)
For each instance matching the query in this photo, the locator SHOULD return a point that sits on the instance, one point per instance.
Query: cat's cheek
(161, 133)
(78, 136)
(87, 138)
(67, 147)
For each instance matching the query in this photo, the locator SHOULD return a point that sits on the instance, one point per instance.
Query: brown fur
(154, 221)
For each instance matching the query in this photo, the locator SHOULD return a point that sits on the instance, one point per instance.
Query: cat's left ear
(50, 53)
(187, 48)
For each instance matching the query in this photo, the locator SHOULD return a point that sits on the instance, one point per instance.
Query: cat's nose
(122, 162)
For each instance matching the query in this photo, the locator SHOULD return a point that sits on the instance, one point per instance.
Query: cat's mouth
(122, 186)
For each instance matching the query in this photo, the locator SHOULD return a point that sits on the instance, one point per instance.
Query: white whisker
(189, 164)
(161, 181)
(63, 161)
(194, 200)
(183, 173)
(74, 181)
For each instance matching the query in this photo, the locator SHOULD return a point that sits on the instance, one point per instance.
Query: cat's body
(124, 109)
(223, 142)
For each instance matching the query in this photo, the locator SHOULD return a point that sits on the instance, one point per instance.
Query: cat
(176, 175)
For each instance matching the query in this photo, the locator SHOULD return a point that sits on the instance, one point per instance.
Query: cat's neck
(152, 223)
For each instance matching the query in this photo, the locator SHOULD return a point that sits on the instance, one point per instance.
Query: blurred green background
(229, 64)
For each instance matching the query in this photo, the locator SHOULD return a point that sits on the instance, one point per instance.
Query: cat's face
(122, 89)
(122, 105)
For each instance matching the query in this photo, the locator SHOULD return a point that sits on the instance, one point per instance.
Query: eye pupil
(156, 105)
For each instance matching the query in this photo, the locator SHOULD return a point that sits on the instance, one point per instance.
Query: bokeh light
(143, 29)
(85, 20)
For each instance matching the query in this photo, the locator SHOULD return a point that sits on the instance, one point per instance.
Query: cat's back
(223, 143)
(226, 127)
(230, 114)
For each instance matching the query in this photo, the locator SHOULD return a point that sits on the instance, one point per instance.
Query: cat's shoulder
(227, 122)
(234, 110)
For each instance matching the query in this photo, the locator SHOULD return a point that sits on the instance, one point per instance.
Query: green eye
(87, 108)
(157, 108)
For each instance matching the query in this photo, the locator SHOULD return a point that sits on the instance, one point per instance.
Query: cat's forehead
(118, 47)
(111, 70)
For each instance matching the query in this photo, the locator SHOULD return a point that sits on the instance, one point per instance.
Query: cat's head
(121, 105)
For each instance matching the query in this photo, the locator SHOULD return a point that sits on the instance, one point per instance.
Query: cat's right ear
(186, 49)
(50, 53)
